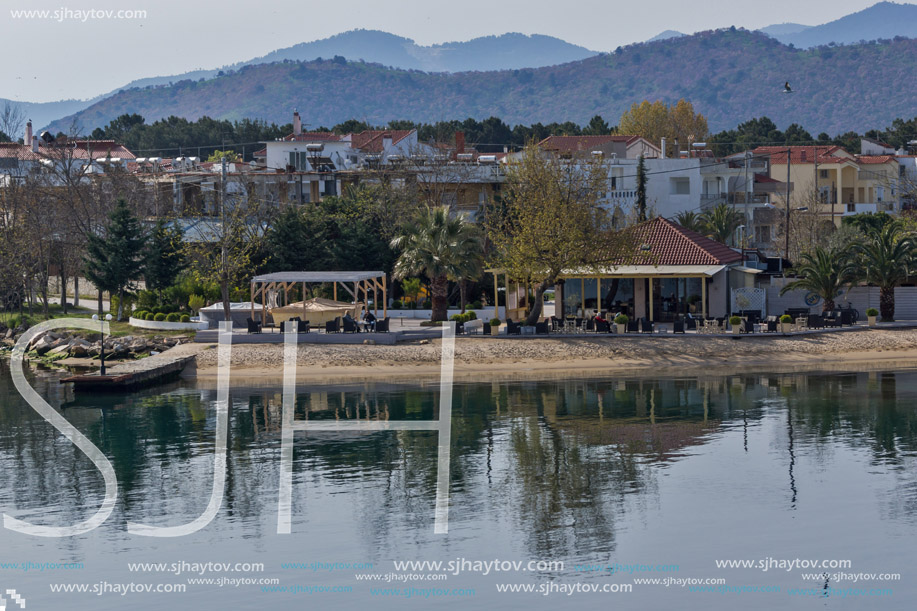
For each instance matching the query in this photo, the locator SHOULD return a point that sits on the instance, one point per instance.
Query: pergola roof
(317, 277)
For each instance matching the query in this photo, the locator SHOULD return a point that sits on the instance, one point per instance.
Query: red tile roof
(100, 149)
(804, 154)
(870, 159)
(575, 144)
(370, 141)
(671, 244)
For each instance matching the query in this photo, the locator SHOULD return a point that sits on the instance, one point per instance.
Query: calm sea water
(619, 480)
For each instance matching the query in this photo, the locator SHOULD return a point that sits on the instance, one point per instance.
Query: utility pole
(224, 272)
(789, 153)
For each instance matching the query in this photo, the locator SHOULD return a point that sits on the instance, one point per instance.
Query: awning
(643, 271)
(747, 270)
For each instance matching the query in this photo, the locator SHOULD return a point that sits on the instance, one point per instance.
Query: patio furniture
(542, 328)
(602, 326)
(269, 323)
(333, 326)
(474, 326)
(814, 321)
(590, 324)
(557, 324)
(351, 326)
(746, 327)
(253, 327)
(846, 317)
(382, 325)
(678, 326)
(646, 326)
(633, 326)
(771, 324)
(795, 313)
(513, 328)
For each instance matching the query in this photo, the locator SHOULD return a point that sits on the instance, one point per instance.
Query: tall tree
(886, 256)
(824, 272)
(641, 189)
(657, 120)
(437, 245)
(720, 223)
(550, 220)
(164, 257)
(114, 257)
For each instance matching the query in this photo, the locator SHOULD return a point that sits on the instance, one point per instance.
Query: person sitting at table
(350, 319)
(369, 321)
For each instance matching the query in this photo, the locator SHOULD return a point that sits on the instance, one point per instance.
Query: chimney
(28, 133)
(386, 141)
(662, 146)
(34, 144)
(297, 123)
(459, 143)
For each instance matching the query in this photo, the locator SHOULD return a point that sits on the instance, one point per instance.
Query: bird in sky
(787, 88)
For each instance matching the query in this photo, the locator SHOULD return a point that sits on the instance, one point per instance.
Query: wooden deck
(135, 374)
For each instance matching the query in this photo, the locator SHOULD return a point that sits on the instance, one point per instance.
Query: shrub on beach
(185, 318)
(149, 316)
(159, 317)
(173, 317)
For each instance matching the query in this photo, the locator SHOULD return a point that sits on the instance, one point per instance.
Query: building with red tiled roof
(659, 271)
(832, 182)
(619, 146)
(376, 141)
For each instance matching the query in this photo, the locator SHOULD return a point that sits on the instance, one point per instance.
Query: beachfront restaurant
(670, 272)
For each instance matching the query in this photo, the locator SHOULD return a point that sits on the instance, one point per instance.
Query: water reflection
(553, 469)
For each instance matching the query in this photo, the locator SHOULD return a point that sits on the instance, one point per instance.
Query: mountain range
(511, 51)
(730, 75)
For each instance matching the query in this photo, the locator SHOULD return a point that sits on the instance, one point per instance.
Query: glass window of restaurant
(618, 296)
(676, 297)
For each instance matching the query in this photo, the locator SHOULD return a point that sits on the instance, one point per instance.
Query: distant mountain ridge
(730, 76)
(884, 20)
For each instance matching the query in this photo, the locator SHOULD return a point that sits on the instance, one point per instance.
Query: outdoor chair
(602, 326)
(579, 324)
(746, 326)
(333, 326)
(557, 325)
(253, 327)
(382, 325)
(633, 326)
(772, 323)
(513, 328)
(815, 322)
(846, 317)
(350, 326)
(646, 326)
(590, 324)
(678, 326)
(542, 328)
(303, 325)
(690, 323)
(268, 322)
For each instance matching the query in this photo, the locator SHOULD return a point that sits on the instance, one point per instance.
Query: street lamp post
(102, 343)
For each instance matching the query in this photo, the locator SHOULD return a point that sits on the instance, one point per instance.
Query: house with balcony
(833, 182)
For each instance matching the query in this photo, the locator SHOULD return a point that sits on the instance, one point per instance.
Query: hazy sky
(50, 59)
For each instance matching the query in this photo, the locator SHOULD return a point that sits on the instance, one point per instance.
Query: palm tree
(442, 247)
(690, 220)
(720, 223)
(824, 272)
(885, 257)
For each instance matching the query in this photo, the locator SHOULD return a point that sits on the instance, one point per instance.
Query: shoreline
(494, 360)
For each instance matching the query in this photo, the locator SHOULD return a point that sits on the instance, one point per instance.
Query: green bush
(147, 300)
(494, 322)
(159, 317)
(128, 305)
(470, 316)
(150, 316)
(786, 318)
(173, 317)
(396, 305)
(475, 305)
(735, 320)
(139, 314)
(457, 317)
(621, 319)
(185, 318)
(872, 312)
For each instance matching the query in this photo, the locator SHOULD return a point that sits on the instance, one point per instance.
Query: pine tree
(115, 257)
(641, 190)
(164, 258)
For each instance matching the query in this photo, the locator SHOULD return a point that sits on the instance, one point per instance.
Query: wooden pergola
(363, 283)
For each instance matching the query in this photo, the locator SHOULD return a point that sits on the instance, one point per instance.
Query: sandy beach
(514, 358)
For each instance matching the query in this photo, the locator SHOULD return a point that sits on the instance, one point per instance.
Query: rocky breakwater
(53, 345)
